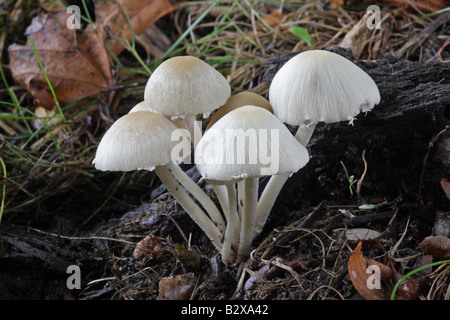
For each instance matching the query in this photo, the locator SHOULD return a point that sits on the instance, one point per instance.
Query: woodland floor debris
(58, 211)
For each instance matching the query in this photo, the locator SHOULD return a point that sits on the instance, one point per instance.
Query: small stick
(360, 181)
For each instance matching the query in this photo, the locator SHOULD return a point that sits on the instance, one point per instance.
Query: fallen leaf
(149, 248)
(190, 259)
(274, 19)
(423, 5)
(446, 187)
(76, 64)
(179, 287)
(117, 16)
(356, 39)
(374, 280)
(436, 245)
(357, 233)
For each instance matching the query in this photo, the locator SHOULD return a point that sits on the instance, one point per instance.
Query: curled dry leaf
(423, 5)
(149, 248)
(140, 15)
(179, 287)
(375, 281)
(445, 184)
(76, 64)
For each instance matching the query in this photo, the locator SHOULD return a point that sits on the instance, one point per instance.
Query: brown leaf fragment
(423, 5)
(374, 280)
(149, 248)
(436, 246)
(446, 187)
(179, 287)
(76, 64)
(141, 14)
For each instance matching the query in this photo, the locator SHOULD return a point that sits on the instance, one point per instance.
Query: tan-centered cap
(185, 85)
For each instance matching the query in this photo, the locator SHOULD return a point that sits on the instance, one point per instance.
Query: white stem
(189, 205)
(267, 200)
(248, 218)
(198, 194)
(276, 182)
(222, 196)
(241, 196)
(232, 222)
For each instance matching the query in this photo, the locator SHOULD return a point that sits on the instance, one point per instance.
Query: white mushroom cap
(217, 157)
(321, 86)
(139, 140)
(186, 85)
(141, 106)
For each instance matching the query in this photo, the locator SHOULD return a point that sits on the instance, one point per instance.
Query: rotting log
(402, 139)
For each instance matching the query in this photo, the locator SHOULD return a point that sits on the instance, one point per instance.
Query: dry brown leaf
(179, 287)
(141, 14)
(149, 248)
(446, 187)
(375, 281)
(358, 36)
(76, 64)
(274, 19)
(423, 5)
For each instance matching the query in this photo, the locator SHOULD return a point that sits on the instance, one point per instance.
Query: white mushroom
(183, 87)
(235, 101)
(245, 144)
(320, 86)
(316, 86)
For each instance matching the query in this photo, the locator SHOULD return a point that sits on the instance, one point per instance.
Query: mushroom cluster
(245, 139)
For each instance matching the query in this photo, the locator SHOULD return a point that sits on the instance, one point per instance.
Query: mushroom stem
(222, 196)
(304, 133)
(232, 223)
(198, 194)
(248, 218)
(189, 205)
(241, 196)
(276, 182)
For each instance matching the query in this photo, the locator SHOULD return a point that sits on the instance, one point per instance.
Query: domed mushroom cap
(186, 85)
(141, 106)
(321, 86)
(138, 140)
(248, 142)
(237, 100)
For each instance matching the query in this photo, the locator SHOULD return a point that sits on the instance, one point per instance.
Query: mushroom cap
(237, 100)
(321, 86)
(139, 140)
(251, 134)
(141, 106)
(186, 85)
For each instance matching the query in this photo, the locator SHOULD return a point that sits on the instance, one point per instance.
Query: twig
(360, 181)
(74, 238)
(181, 231)
(325, 286)
(425, 160)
